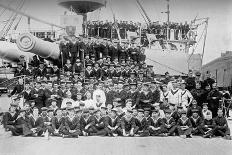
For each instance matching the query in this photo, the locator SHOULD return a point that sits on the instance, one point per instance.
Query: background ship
(176, 56)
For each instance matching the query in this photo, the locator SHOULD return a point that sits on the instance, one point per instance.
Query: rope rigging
(14, 15)
(4, 9)
(166, 66)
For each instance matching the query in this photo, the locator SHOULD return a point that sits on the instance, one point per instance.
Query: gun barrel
(29, 43)
(10, 52)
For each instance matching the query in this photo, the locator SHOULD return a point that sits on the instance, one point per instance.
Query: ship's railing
(11, 83)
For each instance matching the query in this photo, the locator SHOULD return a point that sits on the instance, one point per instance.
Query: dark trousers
(198, 131)
(208, 131)
(221, 131)
(171, 130)
(18, 130)
(157, 132)
(184, 132)
(68, 134)
(142, 132)
(110, 132)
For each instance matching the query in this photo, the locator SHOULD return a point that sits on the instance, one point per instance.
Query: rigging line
(4, 9)
(110, 1)
(11, 16)
(166, 66)
(17, 24)
(141, 14)
(205, 40)
(15, 16)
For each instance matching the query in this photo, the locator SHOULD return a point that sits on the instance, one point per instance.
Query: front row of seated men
(73, 122)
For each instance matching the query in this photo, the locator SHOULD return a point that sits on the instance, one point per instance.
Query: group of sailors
(96, 49)
(108, 29)
(118, 107)
(90, 59)
(178, 31)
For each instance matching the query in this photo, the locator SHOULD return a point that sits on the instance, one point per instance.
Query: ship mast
(29, 16)
(168, 18)
(168, 12)
(145, 13)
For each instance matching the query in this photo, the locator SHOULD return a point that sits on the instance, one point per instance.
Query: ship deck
(10, 145)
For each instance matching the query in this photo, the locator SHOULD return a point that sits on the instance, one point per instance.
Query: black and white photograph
(115, 77)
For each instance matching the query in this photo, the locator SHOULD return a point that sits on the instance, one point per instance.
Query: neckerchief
(113, 119)
(195, 119)
(184, 121)
(89, 71)
(86, 119)
(145, 92)
(174, 92)
(98, 119)
(155, 120)
(182, 94)
(165, 96)
(147, 117)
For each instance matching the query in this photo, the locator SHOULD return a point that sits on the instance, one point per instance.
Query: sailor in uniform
(174, 96)
(186, 96)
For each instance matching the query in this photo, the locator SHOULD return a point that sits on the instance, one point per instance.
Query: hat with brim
(91, 108)
(168, 111)
(76, 107)
(133, 84)
(147, 109)
(50, 110)
(172, 104)
(155, 111)
(140, 110)
(103, 107)
(44, 109)
(114, 110)
(86, 111)
(22, 110)
(69, 108)
(183, 112)
(195, 110)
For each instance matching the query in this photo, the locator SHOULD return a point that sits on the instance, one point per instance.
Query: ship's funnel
(29, 43)
(82, 6)
(10, 52)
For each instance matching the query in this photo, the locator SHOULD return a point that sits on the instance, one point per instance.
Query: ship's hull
(174, 62)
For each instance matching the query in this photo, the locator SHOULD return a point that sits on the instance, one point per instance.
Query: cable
(141, 14)
(3, 10)
(17, 24)
(166, 66)
(14, 17)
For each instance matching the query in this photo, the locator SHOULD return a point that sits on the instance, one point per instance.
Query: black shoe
(188, 136)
